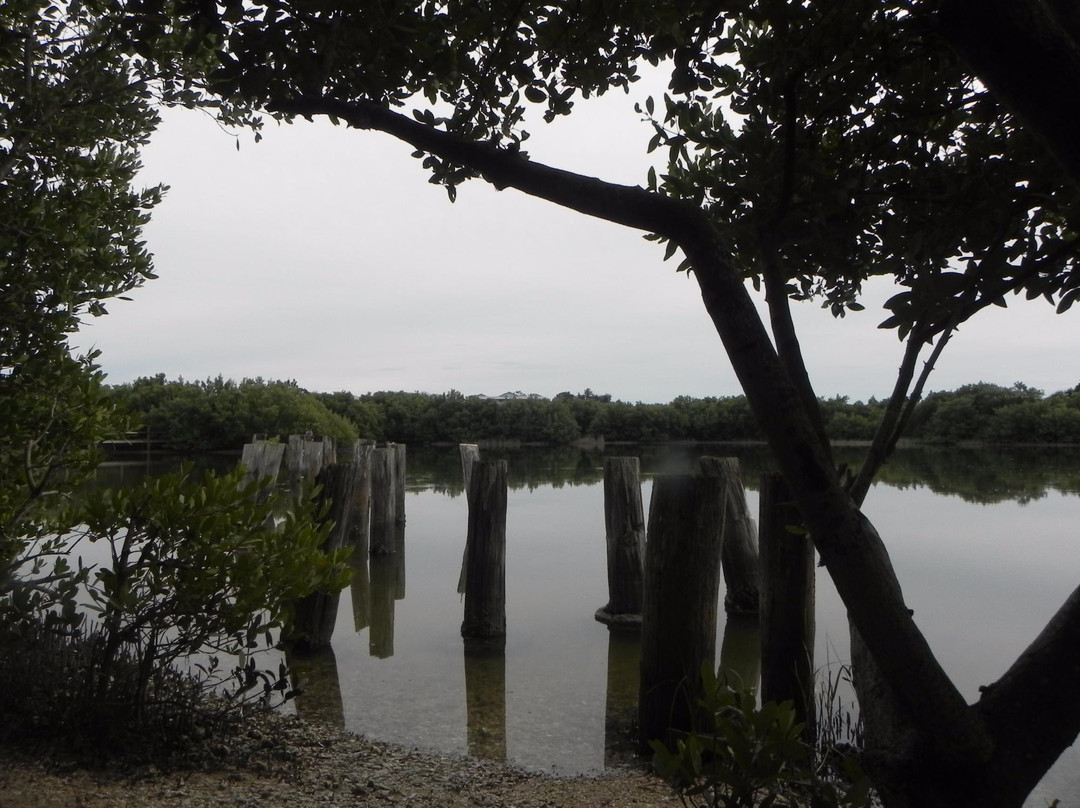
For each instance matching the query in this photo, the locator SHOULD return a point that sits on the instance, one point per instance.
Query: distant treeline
(219, 414)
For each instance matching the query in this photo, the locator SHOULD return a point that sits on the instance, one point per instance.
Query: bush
(753, 757)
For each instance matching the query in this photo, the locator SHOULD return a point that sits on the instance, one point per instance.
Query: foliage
(223, 415)
(71, 126)
(752, 757)
(201, 566)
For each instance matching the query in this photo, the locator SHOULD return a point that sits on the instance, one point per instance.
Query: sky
(323, 255)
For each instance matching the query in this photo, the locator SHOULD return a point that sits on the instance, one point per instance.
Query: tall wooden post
(360, 518)
(399, 483)
(470, 453)
(682, 582)
(787, 602)
(624, 523)
(742, 569)
(316, 614)
(383, 500)
(485, 547)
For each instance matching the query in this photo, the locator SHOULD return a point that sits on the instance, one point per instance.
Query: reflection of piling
(485, 548)
(470, 453)
(623, 682)
(316, 677)
(383, 586)
(682, 578)
(787, 602)
(485, 700)
(624, 523)
(383, 500)
(361, 585)
(317, 613)
(742, 570)
(740, 653)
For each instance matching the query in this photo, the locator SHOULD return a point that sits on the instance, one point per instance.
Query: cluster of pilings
(664, 581)
(663, 575)
(362, 487)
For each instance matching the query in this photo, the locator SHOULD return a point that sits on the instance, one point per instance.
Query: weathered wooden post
(383, 500)
(399, 483)
(787, 602)
(360, 517)
(742, 569)
(624, 523)
(261, 459)
(485, 549)
(470, 453)
(316, 614)
(682, 582)
(307, 456)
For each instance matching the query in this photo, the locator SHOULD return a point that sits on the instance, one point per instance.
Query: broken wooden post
(624, 523)
(470, 453)
(485, 548)
(682, 583)
(787, 602)
(742, 569)
(262, 459)
(360, 517)
(316, 614)
(383, 500)
(399, 483)
(307, 457)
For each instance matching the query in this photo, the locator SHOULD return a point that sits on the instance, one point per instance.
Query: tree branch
(631, 206)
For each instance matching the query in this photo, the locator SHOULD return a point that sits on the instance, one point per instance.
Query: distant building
(517, 395)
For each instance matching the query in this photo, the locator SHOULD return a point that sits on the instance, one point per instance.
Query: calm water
(983, 542)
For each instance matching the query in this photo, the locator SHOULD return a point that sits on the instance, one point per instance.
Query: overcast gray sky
(323, 255)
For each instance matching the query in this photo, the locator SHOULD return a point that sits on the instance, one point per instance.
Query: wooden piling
(383, 500)
(360, 517)
(470, 453)
(261, 459)
(316, 614)
(399, 482)
(787, 602)
(682, 581)
(742, 569)
(624, 523)
(485, 584)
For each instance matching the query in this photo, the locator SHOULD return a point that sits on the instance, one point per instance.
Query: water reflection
(316, 677)
(485, 700)
(740, 652)
(982, 540)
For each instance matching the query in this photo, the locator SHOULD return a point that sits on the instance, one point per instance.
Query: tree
(71, 124)
(810, 146)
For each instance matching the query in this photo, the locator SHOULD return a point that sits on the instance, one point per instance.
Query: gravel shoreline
(284, 762)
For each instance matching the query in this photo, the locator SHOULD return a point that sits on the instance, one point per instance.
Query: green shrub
(753, 757)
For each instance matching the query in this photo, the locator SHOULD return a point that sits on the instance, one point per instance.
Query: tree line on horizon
(221, 415)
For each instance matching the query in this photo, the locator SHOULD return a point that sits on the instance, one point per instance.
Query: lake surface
(984, 543)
